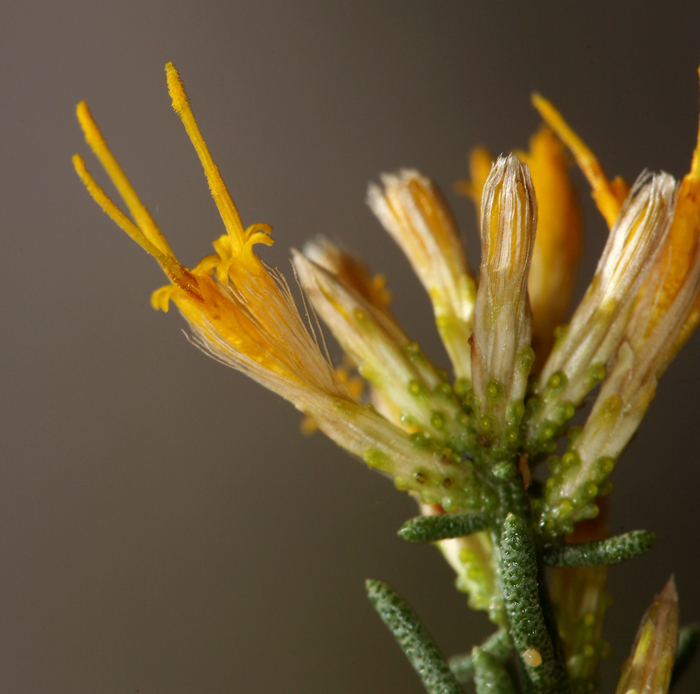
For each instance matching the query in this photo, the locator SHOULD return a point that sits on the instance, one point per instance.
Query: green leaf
(444, 526)
(528, 626)
(498, 645)
(600, 552)
(414, 639)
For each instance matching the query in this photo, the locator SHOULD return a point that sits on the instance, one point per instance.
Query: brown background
(164, 527)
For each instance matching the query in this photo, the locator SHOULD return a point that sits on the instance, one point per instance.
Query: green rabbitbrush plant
(473, 448)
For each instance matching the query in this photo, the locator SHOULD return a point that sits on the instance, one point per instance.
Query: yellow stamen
(178, 274)
(240, 237)
(141, 216)
(606, 195)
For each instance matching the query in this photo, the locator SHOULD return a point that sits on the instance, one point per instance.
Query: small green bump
(556, 381)
(417, 389)
(547, 432)
(512, 435)
(450, 504)
(444, 391)
(587, 510)
(603, 467)
(564, 412)
(421, 441)
(378, 459)
(594, 375)
(494, 390)
(569, 460)
(414, 352)
(437, 419)
(401, 484)
(591, 491)
(515, 412)
(550, 484)
(462, 386)
(486, 424)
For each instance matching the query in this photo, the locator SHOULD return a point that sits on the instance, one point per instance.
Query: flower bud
(595, 332)
(411, 209)
(383, 354)
(351, 271)
(502, 356)
(650, 665)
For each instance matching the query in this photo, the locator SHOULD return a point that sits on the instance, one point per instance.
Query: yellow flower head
(456, 442)
(243, 314)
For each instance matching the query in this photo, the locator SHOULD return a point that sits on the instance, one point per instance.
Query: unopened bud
(502, 324)
(412, 210)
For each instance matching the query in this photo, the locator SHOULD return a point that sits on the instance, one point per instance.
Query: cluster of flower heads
(519, 372)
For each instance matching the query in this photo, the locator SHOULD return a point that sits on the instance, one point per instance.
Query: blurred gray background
(164, 526)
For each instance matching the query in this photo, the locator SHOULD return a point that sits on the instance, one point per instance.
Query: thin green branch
(414, 639)
(601, 552)
(444, 526)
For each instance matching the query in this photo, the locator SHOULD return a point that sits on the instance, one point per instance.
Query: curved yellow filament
(605, 194)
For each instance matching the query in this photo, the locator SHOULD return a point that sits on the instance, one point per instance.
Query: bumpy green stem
(542, 666)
